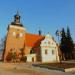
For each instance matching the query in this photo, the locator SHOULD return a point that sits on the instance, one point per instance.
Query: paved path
(27, 69)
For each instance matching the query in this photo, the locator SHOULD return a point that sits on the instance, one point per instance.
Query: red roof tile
(33, 40)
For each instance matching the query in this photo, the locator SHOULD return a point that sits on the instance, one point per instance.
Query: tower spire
(17, 12)
(17, 19)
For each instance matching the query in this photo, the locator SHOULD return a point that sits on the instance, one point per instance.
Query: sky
(47, 15)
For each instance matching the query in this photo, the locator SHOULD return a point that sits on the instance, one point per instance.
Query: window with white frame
(52, 52)
(46, 51)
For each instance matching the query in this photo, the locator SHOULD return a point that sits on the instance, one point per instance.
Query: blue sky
(49, 15)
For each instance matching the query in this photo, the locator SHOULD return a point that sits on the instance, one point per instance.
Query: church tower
(15, 38)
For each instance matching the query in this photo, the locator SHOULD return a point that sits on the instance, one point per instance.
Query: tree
(12, 56)
(2, 41)
(66, 45)
(4, 46)
(63, 44)
(70, 44)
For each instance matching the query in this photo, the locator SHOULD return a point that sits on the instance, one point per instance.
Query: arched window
(32, 51)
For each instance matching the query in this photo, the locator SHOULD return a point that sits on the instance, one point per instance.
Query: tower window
(14, 33)
(17, 30)
(21, 34)
(17, 36)
(17, 18)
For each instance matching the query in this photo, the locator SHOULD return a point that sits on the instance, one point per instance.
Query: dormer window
(49, 42)
(52, 43)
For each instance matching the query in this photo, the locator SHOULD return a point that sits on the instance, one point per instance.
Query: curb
(54, 68)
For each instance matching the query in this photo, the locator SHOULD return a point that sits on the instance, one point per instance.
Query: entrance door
(32, 59)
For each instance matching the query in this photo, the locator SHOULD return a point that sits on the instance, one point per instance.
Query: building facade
(34, 47)
(49, 49)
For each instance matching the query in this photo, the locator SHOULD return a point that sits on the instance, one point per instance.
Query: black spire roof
(17, 20)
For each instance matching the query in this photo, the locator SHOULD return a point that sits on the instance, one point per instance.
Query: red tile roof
(33, 40)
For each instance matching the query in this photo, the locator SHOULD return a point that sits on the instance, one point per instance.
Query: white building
(49, 50)
(31, 57)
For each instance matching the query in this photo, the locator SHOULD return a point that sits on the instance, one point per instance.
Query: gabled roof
(33, 40)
